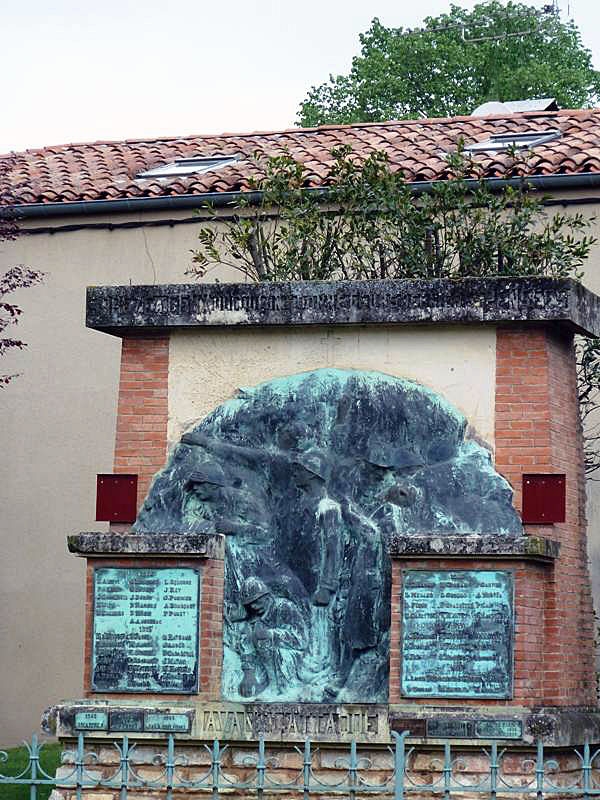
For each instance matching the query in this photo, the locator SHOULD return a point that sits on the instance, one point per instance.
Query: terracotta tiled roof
(107, 170)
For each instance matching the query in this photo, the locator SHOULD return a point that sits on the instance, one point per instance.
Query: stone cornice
(488, 546)
(188, 545)
(123, 309)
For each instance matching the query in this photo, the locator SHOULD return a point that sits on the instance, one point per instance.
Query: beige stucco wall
(58, 423)
(57, 432)
(206, 367)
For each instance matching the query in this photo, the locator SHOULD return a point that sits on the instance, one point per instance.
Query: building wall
(538, 430)
(58, 431)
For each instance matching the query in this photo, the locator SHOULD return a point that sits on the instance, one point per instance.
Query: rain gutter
(223, 199)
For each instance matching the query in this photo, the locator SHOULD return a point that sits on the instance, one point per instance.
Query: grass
(17, 761)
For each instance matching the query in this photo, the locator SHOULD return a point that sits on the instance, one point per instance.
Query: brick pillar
(211, 629)
(538, 430)
(141, 440)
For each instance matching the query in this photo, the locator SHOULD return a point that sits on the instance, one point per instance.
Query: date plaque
(145, 631)
(457, 633)
(175, 723)
(449, 728)
(452, 728)
(498, 729)
(126, 721)
(91, 721)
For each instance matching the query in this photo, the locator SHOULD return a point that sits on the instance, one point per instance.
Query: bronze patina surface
(145, 632)
(457, 633)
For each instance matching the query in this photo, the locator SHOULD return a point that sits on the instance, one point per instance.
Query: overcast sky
(77, 71)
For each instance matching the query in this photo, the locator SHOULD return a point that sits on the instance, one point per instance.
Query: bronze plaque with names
(145, 632)
(457, 633)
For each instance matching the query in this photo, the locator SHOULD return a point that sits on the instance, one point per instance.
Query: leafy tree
(455, 62)
(588, 379)
(15, 278)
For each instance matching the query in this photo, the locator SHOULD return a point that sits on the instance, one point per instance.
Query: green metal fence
(354, 772)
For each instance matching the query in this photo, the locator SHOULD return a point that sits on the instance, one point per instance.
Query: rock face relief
(308, 476)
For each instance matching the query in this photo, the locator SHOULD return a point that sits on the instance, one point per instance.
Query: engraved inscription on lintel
(198, 302)
(295, 722)
(457, 633)
(145, 636)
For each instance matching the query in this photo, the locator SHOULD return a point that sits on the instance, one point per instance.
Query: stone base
(456, 759)
(200, 721)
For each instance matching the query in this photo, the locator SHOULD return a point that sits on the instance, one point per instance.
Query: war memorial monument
(360, 516)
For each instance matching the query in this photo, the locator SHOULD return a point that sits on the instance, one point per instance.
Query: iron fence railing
(352, 775)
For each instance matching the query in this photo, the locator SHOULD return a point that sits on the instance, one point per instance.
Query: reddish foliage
(17, 277)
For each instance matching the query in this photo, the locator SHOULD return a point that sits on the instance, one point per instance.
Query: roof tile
(100, 170)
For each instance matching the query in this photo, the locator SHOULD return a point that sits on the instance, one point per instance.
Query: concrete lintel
(436, 545)
(122, 309)
(190, 545)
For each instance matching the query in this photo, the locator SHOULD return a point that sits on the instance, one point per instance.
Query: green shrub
(367, 223)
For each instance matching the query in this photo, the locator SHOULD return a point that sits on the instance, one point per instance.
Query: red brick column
(141, 440)
(211, 629)
(396, 633)
(210, 625)
(523, 442)
(538, 430)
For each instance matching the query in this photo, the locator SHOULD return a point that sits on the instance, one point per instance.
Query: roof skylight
(187, 166)
(506, 141)
(508, 107)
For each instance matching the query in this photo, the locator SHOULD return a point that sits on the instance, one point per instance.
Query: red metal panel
(116, 498)
(544, 498)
